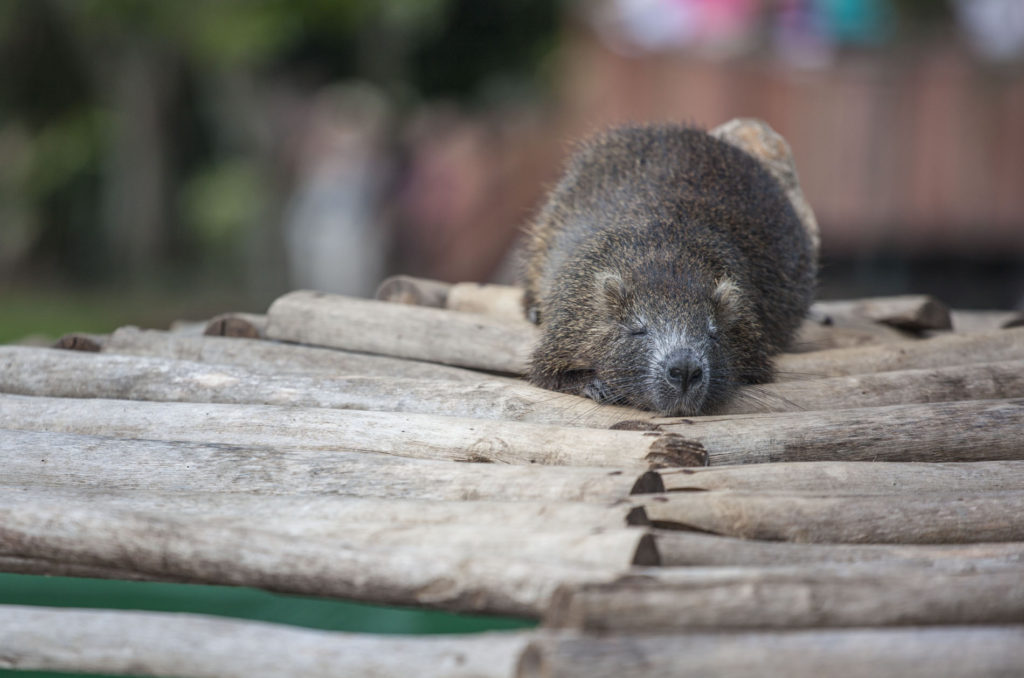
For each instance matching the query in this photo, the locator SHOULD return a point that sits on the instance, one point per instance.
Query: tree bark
(945, 517)
(407, 435)
(416, 332)
(166, 644)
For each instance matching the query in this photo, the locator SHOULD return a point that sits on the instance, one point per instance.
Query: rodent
(665, 269)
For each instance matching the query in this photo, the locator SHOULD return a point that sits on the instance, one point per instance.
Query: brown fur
(663, 249)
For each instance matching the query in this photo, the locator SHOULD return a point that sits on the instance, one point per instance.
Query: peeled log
(416, 332)
(503, 301)
(941, 384)
(406, 435)
(61, 459)
(46, 372)
(941, 351)
(273, 356)
(176, 644)
(945, 517)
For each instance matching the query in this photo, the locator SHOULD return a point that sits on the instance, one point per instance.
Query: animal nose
(683, 370)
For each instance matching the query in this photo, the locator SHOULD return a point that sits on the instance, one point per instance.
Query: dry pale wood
(984, 321)
(81, 341)
(943, 517)
(910, 311)
(407, 435)
(813, 335)
(841, 477)
(939, 384)
(406, 289)
(758, 139)
(931, 652)
(44, 458)
(435, 335)
(504, 301)
(47, 372)
(272, 356)
(199, 646)
(780, 598)
(693, 549)
(976, 430)
(940, 351)
(244, 325)
(216, 550)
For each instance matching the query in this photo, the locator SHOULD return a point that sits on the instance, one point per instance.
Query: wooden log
(504, 301)
(939, 384)
(408, 435)
(175, 644)
(59, 459)
(841, 477)
(416, 332)
(693, 549)
(945, 517)
(245, 325)
(976, 430)
(986, 321)
(930, 652)
(848, 333)
(45, 372)
(941, 351)
(274, 356)
(405, 289)
(80, 341)
(910, 312)
(216, 550)
(801, 597)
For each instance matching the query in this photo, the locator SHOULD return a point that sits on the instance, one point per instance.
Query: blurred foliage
(65, 113)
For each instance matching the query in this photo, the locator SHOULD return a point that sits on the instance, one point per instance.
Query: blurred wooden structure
(386, 452)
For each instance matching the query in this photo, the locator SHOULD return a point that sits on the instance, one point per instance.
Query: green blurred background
(174, 160)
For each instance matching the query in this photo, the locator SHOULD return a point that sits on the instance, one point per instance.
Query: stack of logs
(388, 451)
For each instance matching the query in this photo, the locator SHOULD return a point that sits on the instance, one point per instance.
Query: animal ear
(611, 289)
(730, 302)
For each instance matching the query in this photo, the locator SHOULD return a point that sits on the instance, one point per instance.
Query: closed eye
(637, 331)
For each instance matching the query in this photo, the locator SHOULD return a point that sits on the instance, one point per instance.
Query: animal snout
(683, 370)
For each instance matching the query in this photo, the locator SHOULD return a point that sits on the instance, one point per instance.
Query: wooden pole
(693, 549)
(166, 644)
(846, 333)
(843, 477)
(503, 301)
(408, 435)
(929, 652)
(405, 289)
(976, 430)
(798, 597)
(911, 312)
(941, 351)
(61, 459)
(244, 325)
(944, 517)
(46, 372)
(416, 332)
(272, 356)
(940, 384)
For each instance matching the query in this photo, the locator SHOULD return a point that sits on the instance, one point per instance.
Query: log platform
(861, 516)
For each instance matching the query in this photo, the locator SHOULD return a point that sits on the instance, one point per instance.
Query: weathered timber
(408, 435)
(503, 301)
(939, 384)
(945, 517)
(693, 549)
(814, 335)
(164, 644)
(406, 289)
(841, 477)
(46, 372)
(416, 332)
(911, 311)
(984, 321)
(975, 430)
(276, 357)
(60, 459)
(930, 652)
(244, 325)
(780, 598)
(81, 341)
(218, 550)
(940, 351)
